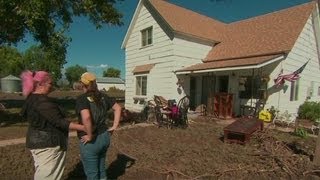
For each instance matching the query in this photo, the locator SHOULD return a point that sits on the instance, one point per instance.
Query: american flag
(289, 77)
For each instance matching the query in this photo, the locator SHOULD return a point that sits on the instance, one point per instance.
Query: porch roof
(232, 64)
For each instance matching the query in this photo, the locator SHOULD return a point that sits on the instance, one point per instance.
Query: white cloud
(103, 65)
(97, 66)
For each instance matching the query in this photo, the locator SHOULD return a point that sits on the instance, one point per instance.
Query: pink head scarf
(29, 79)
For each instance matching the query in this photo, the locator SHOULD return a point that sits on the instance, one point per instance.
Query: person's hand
(110, 130)
(85, 139)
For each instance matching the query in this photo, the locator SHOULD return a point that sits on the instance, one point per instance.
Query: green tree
(112, 72)
(73, 73)
(47, 19)
(47, 22)
(49, 59)
(11, 61)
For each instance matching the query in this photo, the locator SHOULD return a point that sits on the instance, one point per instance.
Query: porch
(231, 92)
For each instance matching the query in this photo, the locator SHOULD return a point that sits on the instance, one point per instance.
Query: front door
(223, 83)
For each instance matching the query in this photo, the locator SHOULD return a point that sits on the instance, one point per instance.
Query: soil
(196, 152)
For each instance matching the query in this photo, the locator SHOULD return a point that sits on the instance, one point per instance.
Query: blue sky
(100, 49)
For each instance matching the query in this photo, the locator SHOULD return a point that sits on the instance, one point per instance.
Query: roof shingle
(245, 42)
(185, 21)
(271, 33)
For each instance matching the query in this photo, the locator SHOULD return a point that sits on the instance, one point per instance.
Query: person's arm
(117, 113)
(52, 113)
(87, 123)
(76, 126)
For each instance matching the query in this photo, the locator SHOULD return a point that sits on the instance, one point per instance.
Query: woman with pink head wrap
(47, 136)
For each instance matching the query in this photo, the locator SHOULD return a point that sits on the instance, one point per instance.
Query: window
(251, 87)
(311, 93)
(146, 36)
(294, 90)
(141, 85)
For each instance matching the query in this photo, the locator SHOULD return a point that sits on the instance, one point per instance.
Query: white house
(108, 82)
(168, 47)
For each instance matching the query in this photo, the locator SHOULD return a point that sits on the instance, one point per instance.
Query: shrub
(310, 110)
(115, 92)
(301, 132)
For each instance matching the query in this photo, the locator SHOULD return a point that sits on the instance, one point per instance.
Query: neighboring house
(168, 47)
(108, 82)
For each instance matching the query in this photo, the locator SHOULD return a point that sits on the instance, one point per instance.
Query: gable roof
(187, 22)
(196, 25)
(267, 34)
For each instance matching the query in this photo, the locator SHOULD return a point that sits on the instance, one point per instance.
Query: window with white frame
(141, 85)
(146, 36)
(294, 91)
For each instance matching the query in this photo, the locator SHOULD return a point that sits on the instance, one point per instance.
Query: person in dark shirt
(47, 135)
(92, 109)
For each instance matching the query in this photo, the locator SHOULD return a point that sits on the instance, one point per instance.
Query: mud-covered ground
(197, 152)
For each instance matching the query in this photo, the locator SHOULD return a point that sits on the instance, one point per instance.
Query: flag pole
(279, 99)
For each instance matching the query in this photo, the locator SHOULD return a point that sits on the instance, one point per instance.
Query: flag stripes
(289, 77)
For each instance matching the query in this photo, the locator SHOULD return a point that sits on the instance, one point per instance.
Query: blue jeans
(93, 156)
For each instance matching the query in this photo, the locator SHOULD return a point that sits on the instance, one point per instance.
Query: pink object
(29, 78)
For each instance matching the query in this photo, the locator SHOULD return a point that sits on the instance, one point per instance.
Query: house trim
(316, 29)
(133, 20)
(233, 68)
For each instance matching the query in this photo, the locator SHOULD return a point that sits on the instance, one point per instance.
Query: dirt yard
(197, 152)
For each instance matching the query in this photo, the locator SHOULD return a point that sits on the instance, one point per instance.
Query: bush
(301, 132)
(115, 92)
(310, 111)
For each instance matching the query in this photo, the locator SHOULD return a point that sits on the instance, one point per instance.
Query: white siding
(158, 53)
(167, 55)
(304, 49)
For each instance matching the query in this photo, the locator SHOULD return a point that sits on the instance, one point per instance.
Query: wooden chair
(252, 111)
(183, 107)
(162, 112)
(160, 101)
